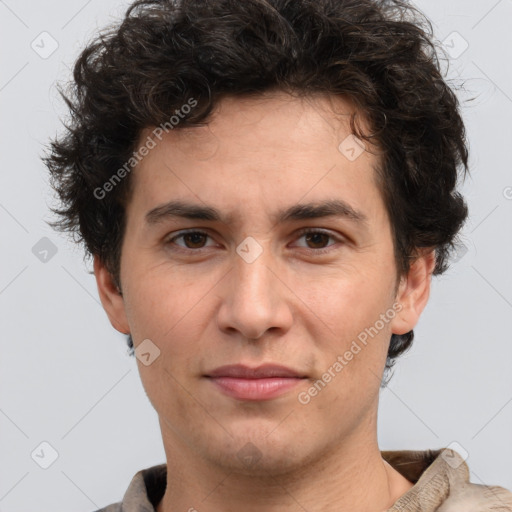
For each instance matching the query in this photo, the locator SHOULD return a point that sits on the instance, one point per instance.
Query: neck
(350, 478)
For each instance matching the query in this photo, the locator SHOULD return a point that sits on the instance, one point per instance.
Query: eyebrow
(329, 208)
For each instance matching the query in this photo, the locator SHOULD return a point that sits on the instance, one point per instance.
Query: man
(266, 188)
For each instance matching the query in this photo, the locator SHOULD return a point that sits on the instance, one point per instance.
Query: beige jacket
(442, 484)
(440, 478)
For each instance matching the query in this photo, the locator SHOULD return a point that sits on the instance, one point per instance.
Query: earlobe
(413, 292)
(111, 297)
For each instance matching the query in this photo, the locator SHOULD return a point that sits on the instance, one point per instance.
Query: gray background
(65, 376)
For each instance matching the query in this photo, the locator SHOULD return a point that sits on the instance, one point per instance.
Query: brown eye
(317, 240)
(194, 240)
(189, 240)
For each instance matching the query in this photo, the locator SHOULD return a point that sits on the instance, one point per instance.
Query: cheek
(344, 303)
(160, 301)
(350, 340)
(172, 396)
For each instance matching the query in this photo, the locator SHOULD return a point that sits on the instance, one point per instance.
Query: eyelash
(302, 232)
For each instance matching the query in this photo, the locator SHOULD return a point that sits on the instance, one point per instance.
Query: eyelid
(307, 230)
(313, 230)
(299, 234)
(179, 234)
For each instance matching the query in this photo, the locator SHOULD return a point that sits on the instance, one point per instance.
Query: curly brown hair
(380, 54)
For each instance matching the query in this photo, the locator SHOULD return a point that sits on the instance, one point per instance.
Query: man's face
(252, 289)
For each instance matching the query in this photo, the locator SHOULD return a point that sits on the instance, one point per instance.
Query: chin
(261, 452)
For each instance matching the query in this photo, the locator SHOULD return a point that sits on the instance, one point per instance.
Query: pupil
(314, 238)
(194, 238)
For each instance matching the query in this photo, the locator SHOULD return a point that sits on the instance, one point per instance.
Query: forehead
(259, 151)
(312, 121)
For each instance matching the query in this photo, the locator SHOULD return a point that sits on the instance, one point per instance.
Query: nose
(254, 299)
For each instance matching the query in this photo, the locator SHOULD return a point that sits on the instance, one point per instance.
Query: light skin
(205, 306)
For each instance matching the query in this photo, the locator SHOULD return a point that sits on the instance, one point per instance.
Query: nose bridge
(254, 300)
(253, 286)
(253, 275)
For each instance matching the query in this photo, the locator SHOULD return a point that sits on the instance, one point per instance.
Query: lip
(261, 383)
(265, 371)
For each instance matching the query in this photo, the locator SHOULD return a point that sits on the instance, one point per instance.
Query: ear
(413, 292)
(110, 296)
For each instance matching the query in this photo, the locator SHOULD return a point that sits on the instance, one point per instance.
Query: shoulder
(146, 489)
(468, 496)
(441, 483)
(115, 507)
(472, 497)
